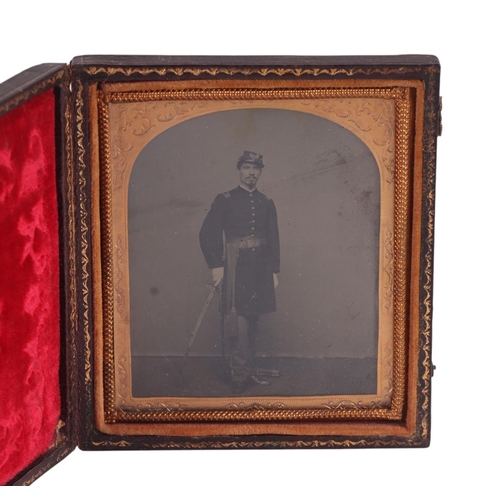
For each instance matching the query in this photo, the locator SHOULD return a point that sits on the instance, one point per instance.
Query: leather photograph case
(216, 252)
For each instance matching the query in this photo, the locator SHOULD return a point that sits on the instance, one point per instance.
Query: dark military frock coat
(240, 214)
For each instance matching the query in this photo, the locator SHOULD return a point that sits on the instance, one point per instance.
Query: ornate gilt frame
(400, 416)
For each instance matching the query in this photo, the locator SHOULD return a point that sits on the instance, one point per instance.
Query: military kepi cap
(250, 157)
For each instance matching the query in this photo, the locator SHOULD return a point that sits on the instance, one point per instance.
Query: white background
(461, 460)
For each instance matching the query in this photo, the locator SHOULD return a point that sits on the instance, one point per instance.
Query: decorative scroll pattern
(72, 295)
(119, 274)
(176, 71)
(387, 360)
(142, 120)
(328, 443)
(366, 117)
(122, 375)
(115, 444)
(389, 269)
(84, 230)
(363, 111)
(118, 155)
(48, 466)
(428, 207)
(414, 441)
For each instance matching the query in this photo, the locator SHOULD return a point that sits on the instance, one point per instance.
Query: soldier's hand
(217, 275)
(276, 281)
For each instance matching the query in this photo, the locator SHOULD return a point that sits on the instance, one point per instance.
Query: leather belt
(248, 242)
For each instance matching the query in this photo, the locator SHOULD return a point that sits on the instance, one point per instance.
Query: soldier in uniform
(239, 239)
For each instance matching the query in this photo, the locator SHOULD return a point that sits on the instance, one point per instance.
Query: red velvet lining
(29, 285)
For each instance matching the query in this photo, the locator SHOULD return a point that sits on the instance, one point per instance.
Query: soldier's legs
(243, 348)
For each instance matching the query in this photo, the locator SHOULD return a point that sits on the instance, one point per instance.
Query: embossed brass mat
(381, 115)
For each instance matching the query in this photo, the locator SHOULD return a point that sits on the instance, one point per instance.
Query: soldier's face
(249, 174)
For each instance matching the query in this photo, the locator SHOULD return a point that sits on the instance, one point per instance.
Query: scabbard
(232, 251)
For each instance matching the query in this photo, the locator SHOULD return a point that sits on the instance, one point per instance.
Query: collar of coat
(246, 189)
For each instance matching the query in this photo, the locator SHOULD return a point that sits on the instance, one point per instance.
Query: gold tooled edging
(71, 240)
(315, 443)
(31, 92)
(216, 71)
(396, 93)
(235, 445)
(81, 169)
(429, 181)
(64, 453)
(402, 192)
(71, 277)
(107, 262)
(402, 200)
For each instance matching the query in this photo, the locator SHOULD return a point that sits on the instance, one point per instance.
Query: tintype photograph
(224, 201)
(252, 251)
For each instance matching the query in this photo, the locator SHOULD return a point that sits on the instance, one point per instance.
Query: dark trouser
(242, 346)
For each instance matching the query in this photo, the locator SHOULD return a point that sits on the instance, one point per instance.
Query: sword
(213, 289)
